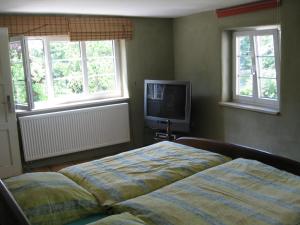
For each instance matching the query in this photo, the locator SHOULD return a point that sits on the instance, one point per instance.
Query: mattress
(238, 192)
(137, 172)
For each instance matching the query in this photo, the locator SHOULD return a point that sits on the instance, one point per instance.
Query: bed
(238, 192)
(137, 172)
(130, 185)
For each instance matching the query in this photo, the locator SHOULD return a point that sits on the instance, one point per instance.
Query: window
(256, 68)
(52, 70)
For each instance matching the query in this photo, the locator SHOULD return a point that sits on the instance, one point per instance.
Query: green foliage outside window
(101, 66)
(17, 71)
(37, 70)
(101, 83)
(99, 49)
(269, 88)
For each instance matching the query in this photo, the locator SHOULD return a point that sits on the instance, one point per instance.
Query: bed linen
(49, 198)
(137, 172)
(89, 219)
(120, 219)
(238, 192)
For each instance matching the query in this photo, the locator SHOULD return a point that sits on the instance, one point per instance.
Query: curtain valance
(79, 28)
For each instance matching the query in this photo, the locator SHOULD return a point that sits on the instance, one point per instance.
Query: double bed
(189, 181)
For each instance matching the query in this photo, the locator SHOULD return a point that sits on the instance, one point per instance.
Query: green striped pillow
(49, 198)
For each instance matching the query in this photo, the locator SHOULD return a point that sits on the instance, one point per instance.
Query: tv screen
(166, 101)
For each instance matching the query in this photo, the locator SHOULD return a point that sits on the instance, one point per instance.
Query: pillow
(49, 198)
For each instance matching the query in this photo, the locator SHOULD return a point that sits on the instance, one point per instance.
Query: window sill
(71, 106)
(250, 107)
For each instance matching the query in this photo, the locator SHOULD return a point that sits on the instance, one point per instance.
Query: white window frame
(85, 96)
(255, 100)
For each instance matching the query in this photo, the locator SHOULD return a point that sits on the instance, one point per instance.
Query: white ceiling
(140, 8)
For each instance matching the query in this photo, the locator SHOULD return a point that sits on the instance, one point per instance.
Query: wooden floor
(57, 167)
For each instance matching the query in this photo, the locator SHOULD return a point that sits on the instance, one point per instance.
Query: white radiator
(59, 133)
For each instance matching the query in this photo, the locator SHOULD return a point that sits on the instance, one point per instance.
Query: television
(167, 100)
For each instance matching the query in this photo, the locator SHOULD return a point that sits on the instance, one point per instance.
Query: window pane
(101, 66)
(101, 83)
(99, 49)
(66, 68)
(245, 86)
(268, 88)
(64, 50)
(20, 94)
(69, 86)
(244, 64)
(15, 52)
(37, 70)
(67, 78)
(267, 66)
(18, 75)
(243, 45)
(265, 45)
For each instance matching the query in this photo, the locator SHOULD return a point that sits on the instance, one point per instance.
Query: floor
(57, 167)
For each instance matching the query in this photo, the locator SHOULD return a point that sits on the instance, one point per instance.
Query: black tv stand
(161, 136)
(165, 136)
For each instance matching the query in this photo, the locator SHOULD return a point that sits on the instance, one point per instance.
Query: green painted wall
(197, 57)
(149, 56)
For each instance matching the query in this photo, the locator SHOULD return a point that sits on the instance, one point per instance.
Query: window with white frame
(256, 67)
(50, 70)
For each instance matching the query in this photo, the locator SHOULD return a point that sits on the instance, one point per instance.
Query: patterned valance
(78, 28)
(99, 28)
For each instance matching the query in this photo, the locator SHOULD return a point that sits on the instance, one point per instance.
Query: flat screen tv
(167, 100)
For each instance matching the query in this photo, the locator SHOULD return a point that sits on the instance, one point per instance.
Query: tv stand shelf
(160, 136)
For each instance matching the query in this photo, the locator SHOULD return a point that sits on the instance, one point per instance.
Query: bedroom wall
(149, 56)
(197, 57)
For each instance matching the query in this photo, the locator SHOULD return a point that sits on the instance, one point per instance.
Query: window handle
(10, 104)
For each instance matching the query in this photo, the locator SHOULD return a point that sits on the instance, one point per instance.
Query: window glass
(99, 49)
(18, 75)
(244, 66)
(268, 88)
(245, 84)
(66, 68)
(37, 70)
(266, 67)
(101, 66)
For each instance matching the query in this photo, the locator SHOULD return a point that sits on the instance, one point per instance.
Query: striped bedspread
(49, 198)
(238, 192)
(131, 174)
(120, 219)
